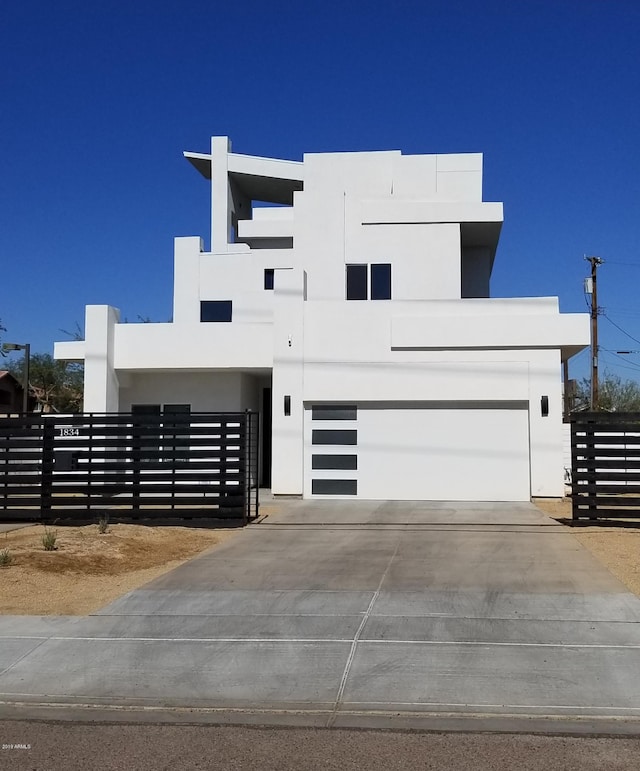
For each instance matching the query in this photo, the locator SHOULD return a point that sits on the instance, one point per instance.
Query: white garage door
(418, 453)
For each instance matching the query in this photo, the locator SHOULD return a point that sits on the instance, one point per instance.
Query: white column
(186, 280)
(288, 367)
(545, 432)
(220, 195)
(101, 387)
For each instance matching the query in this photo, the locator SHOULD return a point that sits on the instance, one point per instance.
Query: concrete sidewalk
(351, 613)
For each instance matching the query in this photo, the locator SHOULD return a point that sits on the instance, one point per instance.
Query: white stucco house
(354, 315)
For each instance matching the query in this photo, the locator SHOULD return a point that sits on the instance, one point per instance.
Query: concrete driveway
(354, 613)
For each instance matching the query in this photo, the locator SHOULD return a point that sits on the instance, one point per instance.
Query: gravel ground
(615, 543)
(88, 569)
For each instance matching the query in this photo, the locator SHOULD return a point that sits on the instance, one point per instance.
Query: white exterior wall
(204, 391)
(464, 362)
(100, 381)
(288, 380)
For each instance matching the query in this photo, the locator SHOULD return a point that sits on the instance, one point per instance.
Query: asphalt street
(67, 747)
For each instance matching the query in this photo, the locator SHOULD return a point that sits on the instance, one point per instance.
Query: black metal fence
(605, 465)
(141, 466)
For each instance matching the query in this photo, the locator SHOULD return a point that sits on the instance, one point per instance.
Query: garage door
(418, 453)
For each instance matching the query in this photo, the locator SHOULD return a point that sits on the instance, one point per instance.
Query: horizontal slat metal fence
(605, 465)
(138, 466)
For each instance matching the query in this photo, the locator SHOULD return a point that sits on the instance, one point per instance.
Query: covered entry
(418, 451)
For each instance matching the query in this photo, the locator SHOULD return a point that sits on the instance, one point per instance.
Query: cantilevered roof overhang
(483, 234)
(480, 221)
(260, 179)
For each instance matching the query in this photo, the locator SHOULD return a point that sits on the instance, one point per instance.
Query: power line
(624, 331)
(615, 365)
(629, 364)
(627, 313)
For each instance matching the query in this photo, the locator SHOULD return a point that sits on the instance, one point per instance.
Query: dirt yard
(615, 544)
(87, 570)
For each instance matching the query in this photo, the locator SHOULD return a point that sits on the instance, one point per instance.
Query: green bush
(5, 558)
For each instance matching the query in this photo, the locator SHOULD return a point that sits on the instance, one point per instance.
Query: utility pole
(567, 402)
(595, 261)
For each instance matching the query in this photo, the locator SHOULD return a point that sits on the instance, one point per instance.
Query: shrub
(5, 558)
(49, 538)
(103, 524)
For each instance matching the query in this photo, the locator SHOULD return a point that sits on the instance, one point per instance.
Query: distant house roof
(11, 392)
(5, 373)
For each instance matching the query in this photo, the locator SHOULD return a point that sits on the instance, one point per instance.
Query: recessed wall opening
(215, 310)
(269, 278)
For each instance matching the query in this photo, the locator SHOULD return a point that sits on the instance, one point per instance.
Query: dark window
(322, 436)
(381, 282)
(215, 310)
(146, 432)
(177, 409)
(348, 462)
(356, 282)
(334, 412)
(143, 411)
(268, 278)
(362, 286)
(177, 425)
(334, 487)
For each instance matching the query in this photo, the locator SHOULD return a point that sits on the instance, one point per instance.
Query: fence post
(48, 461)
(574, 458)
(256, 420)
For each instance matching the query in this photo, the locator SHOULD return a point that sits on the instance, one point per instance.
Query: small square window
(357, 282)
(215, 310)
(381, 281)
(268, 278)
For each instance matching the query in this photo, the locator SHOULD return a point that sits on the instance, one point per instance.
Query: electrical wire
(628, 364)
(626, 314)
(613, 365)
(617, 326)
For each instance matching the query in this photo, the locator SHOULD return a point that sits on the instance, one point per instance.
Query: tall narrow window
(268, 278)
(381, 281)
(357, 282)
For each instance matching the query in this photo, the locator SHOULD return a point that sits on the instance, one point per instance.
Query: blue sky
(99, 99)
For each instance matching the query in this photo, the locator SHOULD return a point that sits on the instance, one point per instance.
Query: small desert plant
(49, 538)
(5, 558)
(103, 524)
